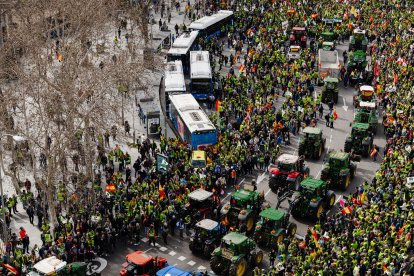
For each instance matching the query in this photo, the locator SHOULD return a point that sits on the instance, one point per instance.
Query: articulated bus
(211, 25)
(180, 49)
(201, 78)
(190, 121)
(174, 82)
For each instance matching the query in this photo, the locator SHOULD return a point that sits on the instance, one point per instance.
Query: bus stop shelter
(150, 115)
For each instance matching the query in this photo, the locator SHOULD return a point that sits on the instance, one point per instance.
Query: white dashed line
(267, 192)
(201, 267)
(330, 138)
(172, 253)
(163, 248)
(191, 263)
(182, 258)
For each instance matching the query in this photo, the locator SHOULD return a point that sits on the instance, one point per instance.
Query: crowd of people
(373, 237)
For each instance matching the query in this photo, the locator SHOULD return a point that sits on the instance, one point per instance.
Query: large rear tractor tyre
(256, 258)
(301, 150)
(280, 238)
(330, 199)
(318, 211)
(250, 224)
(345, 181)
(325, 174)
(291, 231)
(273, 184)
(238, 268)
(217, 266)
(348, 146)
(207, 250)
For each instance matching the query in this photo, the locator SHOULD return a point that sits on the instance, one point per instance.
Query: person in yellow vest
(151, 235)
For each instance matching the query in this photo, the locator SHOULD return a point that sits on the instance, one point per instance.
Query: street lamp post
(3, 203)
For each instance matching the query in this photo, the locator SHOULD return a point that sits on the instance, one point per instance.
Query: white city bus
(190, 121)
(201, 82)
(180, 49)
(211, 25)
(174, 82)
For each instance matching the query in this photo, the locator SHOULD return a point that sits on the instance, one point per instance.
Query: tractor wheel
(243, 228)
(330, 199)
(322, 147)
(318, 211)
(325, 174)
(238, 268)
(335, 97)
(348, 146)
(250, 224)
(292, 229)
(191, 246)
(256, 258)
(273, 184)
(280, 238)
(301, 150)
(352, 170)
(344, 183)
(207, 250)
(217, 266)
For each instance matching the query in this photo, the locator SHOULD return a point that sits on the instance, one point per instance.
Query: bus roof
(174, 77)
(183, 43)
(207, 21)
(191, 113)
(200, 65)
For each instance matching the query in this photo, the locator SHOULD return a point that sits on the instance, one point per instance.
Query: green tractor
(358, 40)
(330, 90)
(313, 199)
(243, 209)
(273, 227)
(235, 255)
(364, 93)
(360, 141)
(367, 113)
(313, 144)
(327, 37)
(357, 61)
(339, 170)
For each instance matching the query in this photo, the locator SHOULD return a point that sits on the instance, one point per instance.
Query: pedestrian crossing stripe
(191, 263)
(163, 248)
(144, 239)
(201, 267)
(172, 253)
(182, 258)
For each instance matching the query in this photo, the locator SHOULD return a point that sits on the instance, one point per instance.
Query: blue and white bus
(190, 121)
(180, 49)
(211, 25)
(201, 78)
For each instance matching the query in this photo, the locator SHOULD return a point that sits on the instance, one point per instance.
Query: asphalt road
(177, 251)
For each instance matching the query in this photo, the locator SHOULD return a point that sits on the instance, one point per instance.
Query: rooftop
(234, 238)
(272, 214)
(312, 130)
(312, 183)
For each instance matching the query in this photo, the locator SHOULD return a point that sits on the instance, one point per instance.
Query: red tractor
(298, 36)
(140, 263)
(287, 173)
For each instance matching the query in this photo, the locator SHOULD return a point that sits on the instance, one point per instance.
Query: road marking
(339, 198)
(299, 236)
(163, 248)
(260, 178)
(331, 129)
(144, 239)
(201, 267)
(148, 250)
(191, 263)
(345, 107)
(157, 245)
(318, 174)
(172, 253)
(267, 192)
(182, 258)
(242, 181)
(330, 138)
(228, 194)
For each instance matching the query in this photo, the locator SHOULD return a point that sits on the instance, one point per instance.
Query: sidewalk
(21, 219)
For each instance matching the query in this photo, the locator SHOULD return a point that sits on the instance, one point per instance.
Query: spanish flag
(347, 211)
(335, 115)
(315, 237)
(161, 193)
(373, 152)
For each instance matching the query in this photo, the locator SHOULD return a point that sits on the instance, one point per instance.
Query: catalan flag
(219, 106)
